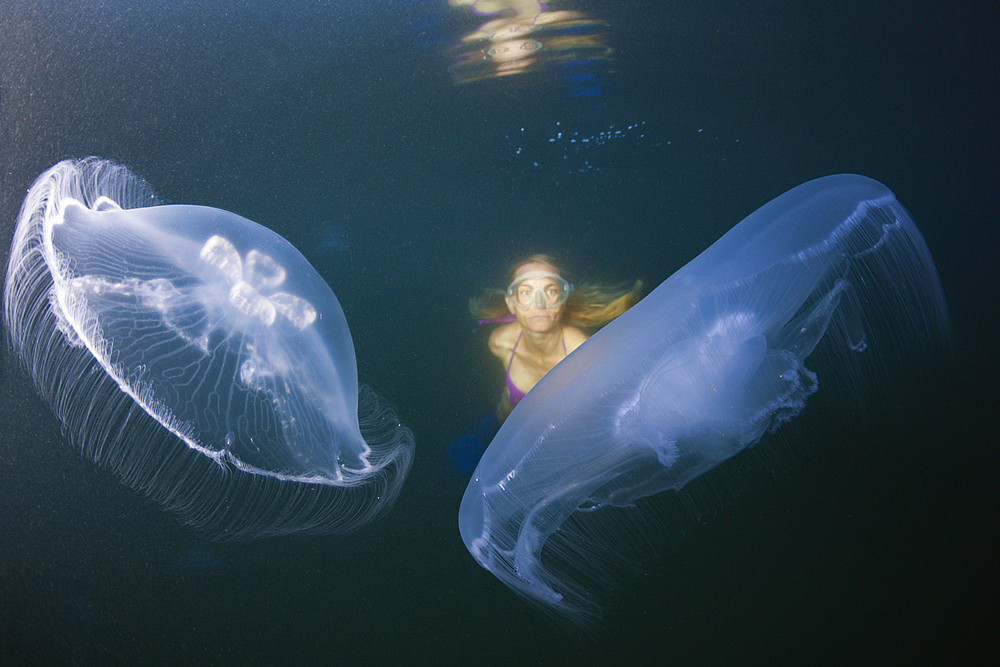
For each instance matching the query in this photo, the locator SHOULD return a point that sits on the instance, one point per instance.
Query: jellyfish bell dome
(705, 366)
(199, 356)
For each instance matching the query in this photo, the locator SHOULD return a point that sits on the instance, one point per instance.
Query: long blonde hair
(589, 305)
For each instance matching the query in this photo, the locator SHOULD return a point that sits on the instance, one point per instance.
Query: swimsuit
(516, 394)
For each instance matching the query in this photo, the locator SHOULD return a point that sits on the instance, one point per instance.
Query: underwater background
(410, 174)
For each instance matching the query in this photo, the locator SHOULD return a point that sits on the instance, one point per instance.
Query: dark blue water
(411, 185)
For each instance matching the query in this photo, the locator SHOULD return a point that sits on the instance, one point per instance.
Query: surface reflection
(524, 36)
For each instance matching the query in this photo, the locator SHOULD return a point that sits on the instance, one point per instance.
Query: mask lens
(539, 290)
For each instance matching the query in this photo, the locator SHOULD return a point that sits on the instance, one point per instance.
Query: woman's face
(535, 295)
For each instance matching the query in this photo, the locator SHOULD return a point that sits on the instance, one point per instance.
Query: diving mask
(547, 290)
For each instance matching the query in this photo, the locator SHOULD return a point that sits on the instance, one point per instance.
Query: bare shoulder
(502, 340)
(574, 338)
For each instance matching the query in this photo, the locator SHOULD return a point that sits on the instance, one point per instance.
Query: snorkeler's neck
(542, 342)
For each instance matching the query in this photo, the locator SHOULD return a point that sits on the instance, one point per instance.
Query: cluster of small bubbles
(567, 151)
(600, 138)
(561, 150)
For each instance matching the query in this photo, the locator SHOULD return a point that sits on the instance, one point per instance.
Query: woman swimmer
(549, 319)
(544, 320)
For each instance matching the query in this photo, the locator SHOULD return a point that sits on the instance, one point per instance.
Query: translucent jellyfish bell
(695, 373)
(198, 356)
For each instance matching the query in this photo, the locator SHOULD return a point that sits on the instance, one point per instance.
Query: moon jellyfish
(698, 371)
(199, 357)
